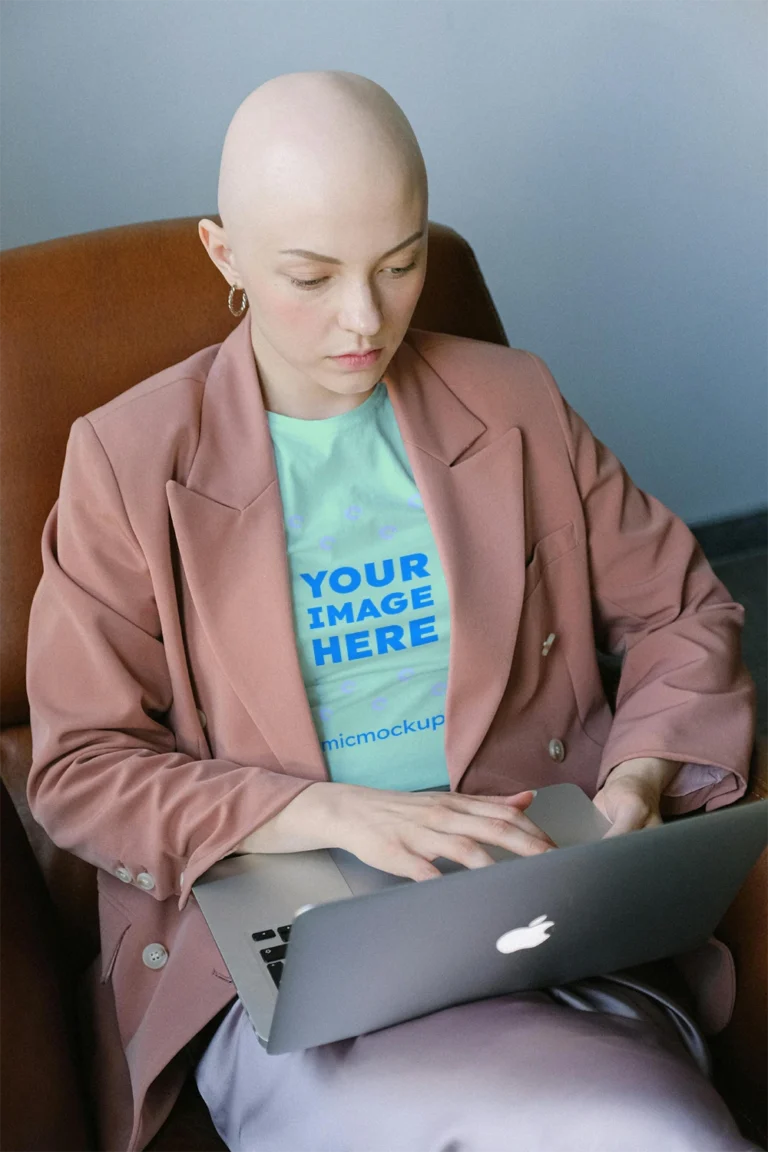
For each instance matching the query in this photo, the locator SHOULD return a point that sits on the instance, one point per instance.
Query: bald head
(312, 141)
(323, 201)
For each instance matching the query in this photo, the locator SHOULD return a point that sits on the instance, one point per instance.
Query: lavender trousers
(602, 1065)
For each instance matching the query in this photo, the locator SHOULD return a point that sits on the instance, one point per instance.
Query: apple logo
(535, 933)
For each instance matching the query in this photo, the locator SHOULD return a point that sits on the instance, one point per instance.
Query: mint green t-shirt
(370, 602)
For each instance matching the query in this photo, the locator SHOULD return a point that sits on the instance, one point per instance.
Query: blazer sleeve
(685, 693)
(107, 782)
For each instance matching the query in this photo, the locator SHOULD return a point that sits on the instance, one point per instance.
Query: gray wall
(606, 160)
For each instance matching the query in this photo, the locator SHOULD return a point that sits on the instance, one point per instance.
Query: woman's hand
(631, 795)
(401, 832)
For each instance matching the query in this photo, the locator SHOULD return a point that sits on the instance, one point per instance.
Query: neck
(303, 399)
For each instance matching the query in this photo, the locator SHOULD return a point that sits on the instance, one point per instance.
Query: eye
(400, 272)
(309, 285)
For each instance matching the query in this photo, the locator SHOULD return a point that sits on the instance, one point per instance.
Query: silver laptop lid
(357, 966)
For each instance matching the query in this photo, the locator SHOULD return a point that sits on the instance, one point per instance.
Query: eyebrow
(332, 259)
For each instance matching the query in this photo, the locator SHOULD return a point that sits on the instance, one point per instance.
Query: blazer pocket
(114, 922)
(549, 548)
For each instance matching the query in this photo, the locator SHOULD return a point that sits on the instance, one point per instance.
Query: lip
(365, 361)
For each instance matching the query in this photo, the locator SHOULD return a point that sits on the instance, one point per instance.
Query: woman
(264, 558)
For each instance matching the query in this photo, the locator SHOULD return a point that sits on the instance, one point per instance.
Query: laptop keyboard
(274, 954)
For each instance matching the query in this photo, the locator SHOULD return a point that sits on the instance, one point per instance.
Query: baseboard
(735, 534)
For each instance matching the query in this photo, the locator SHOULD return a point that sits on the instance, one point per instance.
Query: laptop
(322, 947)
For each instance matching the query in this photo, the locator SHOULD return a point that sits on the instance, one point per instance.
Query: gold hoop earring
(243, 303)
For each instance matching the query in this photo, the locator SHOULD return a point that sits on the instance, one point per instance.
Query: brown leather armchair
(81, 320)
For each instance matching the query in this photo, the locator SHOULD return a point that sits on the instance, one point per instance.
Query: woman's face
(355, 293)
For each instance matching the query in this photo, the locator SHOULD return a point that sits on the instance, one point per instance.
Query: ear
(214, 240)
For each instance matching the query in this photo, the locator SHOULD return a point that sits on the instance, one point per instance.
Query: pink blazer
(169, 715)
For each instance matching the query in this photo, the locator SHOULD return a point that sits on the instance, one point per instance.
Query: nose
(361, 312)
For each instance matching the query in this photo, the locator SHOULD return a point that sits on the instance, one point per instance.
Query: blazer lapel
(472, 489)
(228, 520)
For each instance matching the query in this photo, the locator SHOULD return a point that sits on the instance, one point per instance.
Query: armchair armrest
(42, 1098)
(758, 777)
(740, 1051)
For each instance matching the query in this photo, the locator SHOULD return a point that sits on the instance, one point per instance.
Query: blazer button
(557, 750)
(154, 956)
(548, 644)
(202, 718)
(124, 874)
(146, 881)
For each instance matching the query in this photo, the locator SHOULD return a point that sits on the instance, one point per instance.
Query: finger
(631, 814)
(403, 862)
(477, 809)
(499, 807)
(521, 836)
(517, 799)
(518, 820)
(503, 829)
(461, 848)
